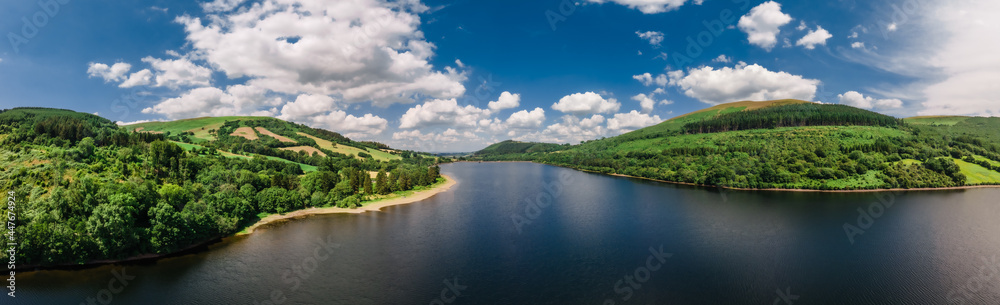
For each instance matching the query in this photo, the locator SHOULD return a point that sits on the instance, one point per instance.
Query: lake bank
(967, 187)
(372, 206)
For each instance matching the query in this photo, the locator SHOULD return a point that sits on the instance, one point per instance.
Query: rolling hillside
(787, 144)
(271, 132)
(88, 190)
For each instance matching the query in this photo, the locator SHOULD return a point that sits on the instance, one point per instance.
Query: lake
(522, 233)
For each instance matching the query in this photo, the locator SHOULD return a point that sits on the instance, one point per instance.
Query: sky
(456, 76)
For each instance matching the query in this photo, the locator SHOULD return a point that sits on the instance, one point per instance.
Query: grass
(349, 150)
(936, 120)
(981, 158)
(199, 126)
(976, 174)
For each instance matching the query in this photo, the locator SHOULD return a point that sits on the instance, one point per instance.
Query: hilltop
(89, 190)
(788, 144)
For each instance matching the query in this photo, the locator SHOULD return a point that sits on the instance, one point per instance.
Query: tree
(111, 224)
(367, 181)
(165, 233)
(174, 195)
(382, 183)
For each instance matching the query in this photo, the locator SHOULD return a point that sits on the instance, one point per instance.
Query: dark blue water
(520, 233)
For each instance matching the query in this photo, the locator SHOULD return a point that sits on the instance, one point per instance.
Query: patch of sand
(371, 207)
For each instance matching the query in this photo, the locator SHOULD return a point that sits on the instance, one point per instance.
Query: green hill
(88, 190)
(787, 144)
(515, 147)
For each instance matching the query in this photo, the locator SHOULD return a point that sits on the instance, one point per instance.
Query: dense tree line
(795, 115)
(129, 194)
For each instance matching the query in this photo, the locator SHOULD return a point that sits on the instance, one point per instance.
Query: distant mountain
(787, 144)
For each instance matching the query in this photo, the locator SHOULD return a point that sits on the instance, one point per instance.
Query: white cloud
(506, 101)
(651, 6)
(813, 38)
(350, 125)
(307, 106)
(964, 56)
(113, 73)
(221, 5)
(141, 78)
(743, 82)
(858, 45)
(645, 102)
(648, 79)
(855, 99)
(632, 121)
(181, 72)
(854, 35)
(526, 119)
(211, 101)
(653, 37)
(892, 27)
(723, 59)
(586, 103)
(763, 24)
(802, 26)
(432, 139)
(363, 50)
(442, 113)
(571, 130)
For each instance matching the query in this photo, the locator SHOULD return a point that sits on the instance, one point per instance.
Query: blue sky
(422, 74)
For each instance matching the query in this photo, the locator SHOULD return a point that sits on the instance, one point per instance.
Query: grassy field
(199, 126)
(351, 151)
(936, 120)
(976, 174)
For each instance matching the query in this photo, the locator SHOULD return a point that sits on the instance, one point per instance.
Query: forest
(799, 146)
(89, 190)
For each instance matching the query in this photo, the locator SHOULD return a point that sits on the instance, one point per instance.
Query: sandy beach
(368, 207)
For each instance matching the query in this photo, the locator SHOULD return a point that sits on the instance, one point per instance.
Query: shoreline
(924, 189)
(373, 206)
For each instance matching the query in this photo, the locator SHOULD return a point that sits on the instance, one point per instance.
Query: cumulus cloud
(858, 45)
(113, 73)
(570, 130)
(648, 79)
(350, 125)
(506, 101)
(763, 24)
(211, 101)
(723, 59)
(181, 72)
(364, 50)
(645, 102)
(651, 6)
(141, 78)
(813, 38)
(526, 119)
(586, 103)
(307, 106)
(855, 99)
(443, 113)
(632, 121)
(743, 82)
(653, 37)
